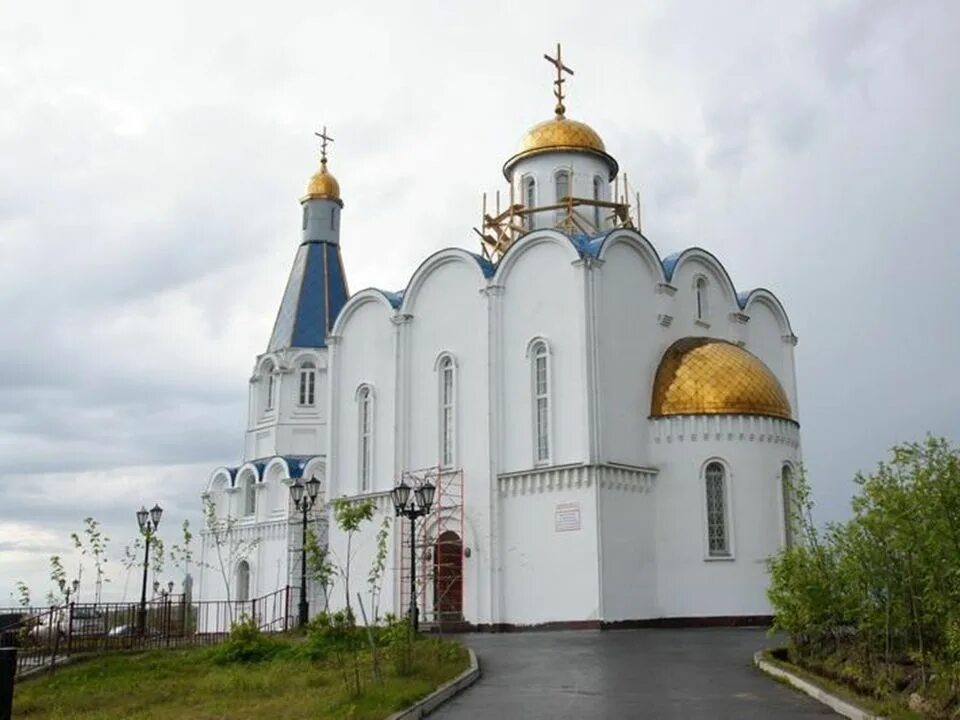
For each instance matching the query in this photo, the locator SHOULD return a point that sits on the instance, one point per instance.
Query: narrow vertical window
(366, 437)
(249, 497)
(563, 185)
(718, 541)
(268, 400)
(541, 395)
(243, 581)
(530, 199)
(786, 485)
(333, 218)
(597, 194)
(308, 383)
(701, 298)
(446, 412)
(306, 212)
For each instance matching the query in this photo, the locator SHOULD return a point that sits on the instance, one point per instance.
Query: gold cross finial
(324, 139)
(557, 62)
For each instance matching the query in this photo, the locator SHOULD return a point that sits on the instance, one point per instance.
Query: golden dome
(323, 185)
(560, 134)
(703, 376)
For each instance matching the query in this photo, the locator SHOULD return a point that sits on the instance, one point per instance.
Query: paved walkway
(702, 673)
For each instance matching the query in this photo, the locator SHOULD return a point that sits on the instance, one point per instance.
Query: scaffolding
(438, 549)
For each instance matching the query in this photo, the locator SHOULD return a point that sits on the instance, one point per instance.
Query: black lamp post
(304, 501)
(148, 522)
(411, 506)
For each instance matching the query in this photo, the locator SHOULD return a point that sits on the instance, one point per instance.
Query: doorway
(448, 577)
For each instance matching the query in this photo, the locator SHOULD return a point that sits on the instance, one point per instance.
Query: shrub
(397, 634)
(246, 644)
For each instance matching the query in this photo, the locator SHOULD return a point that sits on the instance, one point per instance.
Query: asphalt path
(696, 673)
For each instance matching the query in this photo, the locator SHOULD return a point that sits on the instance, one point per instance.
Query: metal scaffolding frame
(438, 549)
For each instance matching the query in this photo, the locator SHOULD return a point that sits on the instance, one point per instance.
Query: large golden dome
(323, 185)
(704, 376)
(559, 134)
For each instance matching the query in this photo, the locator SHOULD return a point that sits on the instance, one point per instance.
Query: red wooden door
(448, 576)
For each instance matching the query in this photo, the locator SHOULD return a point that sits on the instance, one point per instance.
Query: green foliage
(320, 567)
(337, 635)
(398, 636)
(878, 597)
(59, 577)
(246, 644)
(23, 594)
(375, 577)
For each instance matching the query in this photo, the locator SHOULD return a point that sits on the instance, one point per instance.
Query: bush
(878, 597)
(246, 644)
(398, 636)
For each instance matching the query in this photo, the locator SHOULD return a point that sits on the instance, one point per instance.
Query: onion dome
(704, 376)
(323, 185)
(560, 134)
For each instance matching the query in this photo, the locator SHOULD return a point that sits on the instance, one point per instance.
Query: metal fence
(45, 637)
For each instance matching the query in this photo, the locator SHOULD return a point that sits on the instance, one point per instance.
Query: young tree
(97, 543)
(181, 555)
(320, 567)
(23, 594)
(131, 559)
(58, 575)
(350, 515)
(375, 577)
(227, 545)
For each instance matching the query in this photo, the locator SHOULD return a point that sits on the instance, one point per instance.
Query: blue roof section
(393, 297)
(742, 298)
(486, 267)
(669, 265)
(316, 292)
(297, 464)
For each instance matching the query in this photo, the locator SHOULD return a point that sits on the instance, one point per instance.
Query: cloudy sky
(152, 155)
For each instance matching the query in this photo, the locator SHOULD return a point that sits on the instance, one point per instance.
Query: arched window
(308, 382)
(447, 392)
(540, 367)
(529, 198)
(786, 488)
(701, 288)
(365, 445)
(718, 540)
(597, 195)
(563, 185)
(249, 496)
(269, 386)
(243, 581)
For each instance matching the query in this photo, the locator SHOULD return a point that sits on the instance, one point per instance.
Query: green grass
(167, 684)
(891, 708)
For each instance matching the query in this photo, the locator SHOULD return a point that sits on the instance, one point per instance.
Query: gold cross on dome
(557, 62)
(324, 139)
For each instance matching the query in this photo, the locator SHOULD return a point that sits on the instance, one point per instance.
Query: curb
(431, 702)
(839, 706)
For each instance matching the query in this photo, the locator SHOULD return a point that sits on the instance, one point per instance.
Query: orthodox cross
(324, 139)
(557, 62)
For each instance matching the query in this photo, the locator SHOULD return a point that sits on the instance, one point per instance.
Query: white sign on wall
(566, 517)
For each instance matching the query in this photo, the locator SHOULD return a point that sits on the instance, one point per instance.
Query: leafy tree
(23, 594)
(375, 577)
(320, 566)
(59, 577)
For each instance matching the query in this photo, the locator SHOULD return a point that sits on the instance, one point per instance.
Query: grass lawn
(162, 684)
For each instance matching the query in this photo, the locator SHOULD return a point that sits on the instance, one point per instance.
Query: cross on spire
(324, 139)
(557, 62)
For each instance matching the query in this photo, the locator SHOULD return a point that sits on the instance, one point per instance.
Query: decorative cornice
(558, 478)
(739, 317)
(666, 289)
(725, 428)
(492, 290)
(588, 262)
(401, 318)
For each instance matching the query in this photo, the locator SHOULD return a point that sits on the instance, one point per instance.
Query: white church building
(611, 432)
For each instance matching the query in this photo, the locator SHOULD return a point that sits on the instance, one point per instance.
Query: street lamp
(304, 497)
(411, 508)
(148, 522)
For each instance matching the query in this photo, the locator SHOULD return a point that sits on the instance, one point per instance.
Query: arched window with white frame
(562, 180)
(243, 581)
(786, 488)
(597, 195)
(249, 495)
(700, 287)
(529, 199)
(540, 387)
(447, 410)
(308, 383)
(365, 437)
(718, 526)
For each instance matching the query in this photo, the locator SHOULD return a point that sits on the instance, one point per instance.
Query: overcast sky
(152, 157)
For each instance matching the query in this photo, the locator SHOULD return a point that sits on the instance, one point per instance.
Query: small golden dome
(703, 376)
(323, 185)
(560, 134)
